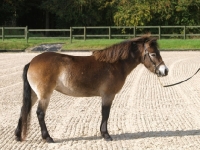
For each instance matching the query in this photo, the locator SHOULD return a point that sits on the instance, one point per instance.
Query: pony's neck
(130, 63)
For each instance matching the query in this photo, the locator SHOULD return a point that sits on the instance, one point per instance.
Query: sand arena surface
(144, 115)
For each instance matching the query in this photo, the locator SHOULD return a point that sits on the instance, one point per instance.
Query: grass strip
(95, 44)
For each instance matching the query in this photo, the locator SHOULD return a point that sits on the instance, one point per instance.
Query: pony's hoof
(18, 135)
(107, 137)
(18, 139)
(49, 140)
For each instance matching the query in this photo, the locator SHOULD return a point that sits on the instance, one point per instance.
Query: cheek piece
(157, 68)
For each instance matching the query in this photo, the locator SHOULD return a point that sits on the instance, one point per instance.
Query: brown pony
(101, 74)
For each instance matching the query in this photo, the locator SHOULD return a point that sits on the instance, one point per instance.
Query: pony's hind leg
(41, 110)
(106, 105)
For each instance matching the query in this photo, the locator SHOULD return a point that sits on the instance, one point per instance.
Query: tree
(6, 12)
(132, 13)
(162, 12)
(80, 12)
(66, 13)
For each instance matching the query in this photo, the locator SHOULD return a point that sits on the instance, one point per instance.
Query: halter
(154, 64)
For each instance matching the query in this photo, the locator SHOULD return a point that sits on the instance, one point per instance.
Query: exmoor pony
(101, 74)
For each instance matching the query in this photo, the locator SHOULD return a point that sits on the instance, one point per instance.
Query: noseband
(153, 63)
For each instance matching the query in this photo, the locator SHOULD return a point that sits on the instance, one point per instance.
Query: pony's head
(151, 57)
(144, 48)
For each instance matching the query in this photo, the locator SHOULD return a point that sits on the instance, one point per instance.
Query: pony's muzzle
(162, 71)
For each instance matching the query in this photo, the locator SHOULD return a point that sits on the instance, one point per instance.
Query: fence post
(109, 32)
(27, 36)
(184, 32)
(26, 33)
(70, 34)
(84, 33)
(159, 36)
(134, 31)
(2, 33)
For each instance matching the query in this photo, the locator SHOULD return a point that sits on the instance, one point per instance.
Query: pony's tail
(26, 107)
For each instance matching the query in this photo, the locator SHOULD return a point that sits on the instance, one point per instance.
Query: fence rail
(87, 32)
(3, 34)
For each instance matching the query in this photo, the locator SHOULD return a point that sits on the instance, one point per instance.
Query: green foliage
(6, 11)
(162, 12)
(132, 13)
(66, 13)
(79, 12)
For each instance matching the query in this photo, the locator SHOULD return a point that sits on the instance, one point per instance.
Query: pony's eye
(153, 54)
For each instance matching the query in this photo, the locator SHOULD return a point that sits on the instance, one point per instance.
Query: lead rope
(180, 81)
(160, 82)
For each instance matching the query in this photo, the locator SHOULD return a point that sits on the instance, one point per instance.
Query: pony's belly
(75, 92)
(68, 85)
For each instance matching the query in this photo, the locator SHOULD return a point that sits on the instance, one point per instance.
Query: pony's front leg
(106, 105)
(103, 127)
(41, 116)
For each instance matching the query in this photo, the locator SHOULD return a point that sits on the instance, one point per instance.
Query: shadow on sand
(139, 135)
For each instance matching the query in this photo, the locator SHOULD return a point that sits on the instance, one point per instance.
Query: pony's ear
(151, 41)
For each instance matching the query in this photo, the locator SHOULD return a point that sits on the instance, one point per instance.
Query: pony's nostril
(166, 71)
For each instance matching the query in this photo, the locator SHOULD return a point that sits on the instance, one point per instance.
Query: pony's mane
(120, 51)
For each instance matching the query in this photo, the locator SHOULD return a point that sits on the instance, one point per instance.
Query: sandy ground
(144, 114)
